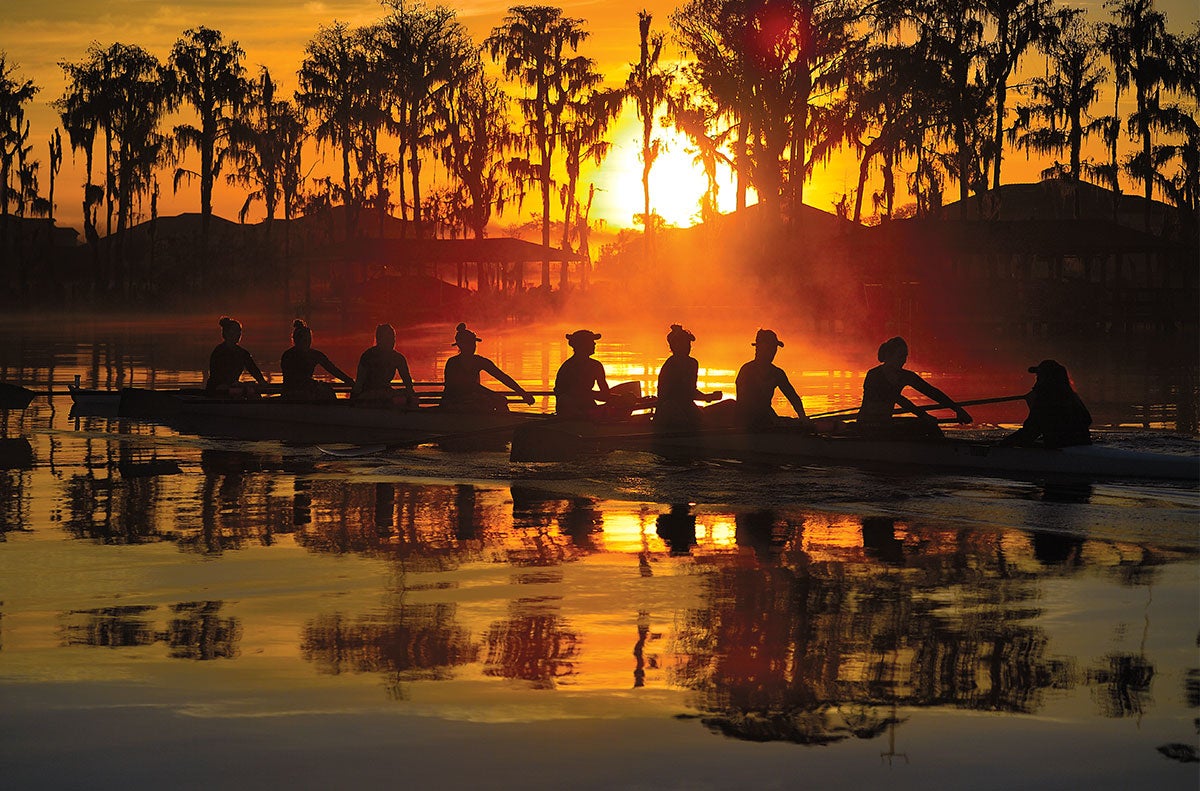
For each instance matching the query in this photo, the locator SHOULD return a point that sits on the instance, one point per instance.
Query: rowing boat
(563, 441)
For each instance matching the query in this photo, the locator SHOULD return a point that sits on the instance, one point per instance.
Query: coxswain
(298, 364)
(227, 363)
(882, 393)
(1057, 416)
(677, 391)
(462, 388)
(376, 368)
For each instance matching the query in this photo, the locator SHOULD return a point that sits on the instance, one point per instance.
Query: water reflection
(534, 644)
(817, 647)
(783, 624)
(194, 630)
(407, 643)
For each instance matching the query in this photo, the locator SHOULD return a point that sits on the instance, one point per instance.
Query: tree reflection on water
(407, 643)
(194, 630)
(811, 628)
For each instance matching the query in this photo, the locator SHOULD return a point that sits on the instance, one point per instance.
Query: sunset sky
(37, 35)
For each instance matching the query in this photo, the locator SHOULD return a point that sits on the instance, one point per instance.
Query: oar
(374, 450)
(927, 407)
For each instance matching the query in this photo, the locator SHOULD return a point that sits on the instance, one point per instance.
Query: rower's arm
(789, 392)
(602, 384)
(253, 369)
(328, 365)
(405, 376)
(507, 381)
(934, 394)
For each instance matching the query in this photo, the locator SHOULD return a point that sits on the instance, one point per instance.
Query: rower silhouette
(580, 381)
(462, 391)
(882, 393)
(227, 363)
(757, 381)
(298, 364)
(1057, 416)
(677, 391)
(377, 366)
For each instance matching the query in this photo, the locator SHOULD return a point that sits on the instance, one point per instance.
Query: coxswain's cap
(1046, 366)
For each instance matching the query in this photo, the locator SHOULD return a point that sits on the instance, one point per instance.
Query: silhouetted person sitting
(677, 391)
(882, 393)
(757, 381)
(462, 391)
(1057, 416)
(298, 364)
(227, 362)
(377, 366)
(580, 381)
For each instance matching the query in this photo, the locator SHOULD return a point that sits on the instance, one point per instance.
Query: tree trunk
(545, 177)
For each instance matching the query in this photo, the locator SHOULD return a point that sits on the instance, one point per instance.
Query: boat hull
(565, 441)
(332, 421)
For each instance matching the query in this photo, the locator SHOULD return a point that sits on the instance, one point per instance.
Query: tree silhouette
(1179, 120)
(1057, 120)
(210, 77)
(885, 115)
(1019, 25)
(952, 34)
(719, 73)
(474, 134)
(256, 150)
(424, 53)
(531, 44)
(15, 93)
(1138, 44)
(649, 85)
(81, 115)
(330, 77)
(585, 123)
(700, 120)
(124, 91)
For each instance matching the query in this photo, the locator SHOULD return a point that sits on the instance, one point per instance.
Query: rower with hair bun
(227, 363)
(677, 391)
(882, 394)
(463, 391)
(298, 364)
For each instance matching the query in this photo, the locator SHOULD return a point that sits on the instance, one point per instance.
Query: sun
(677, 181)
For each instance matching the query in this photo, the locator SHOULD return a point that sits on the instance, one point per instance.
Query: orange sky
(36, 35)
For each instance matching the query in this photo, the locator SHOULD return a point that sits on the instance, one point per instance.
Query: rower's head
(766, 345)
(893, 351)
(680, 340)
(583, 341)
(1051, 376)
(465, 339)
(385, 336)
(301, 334)
(231, 329)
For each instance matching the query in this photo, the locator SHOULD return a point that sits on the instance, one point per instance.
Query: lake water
(185, 611)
